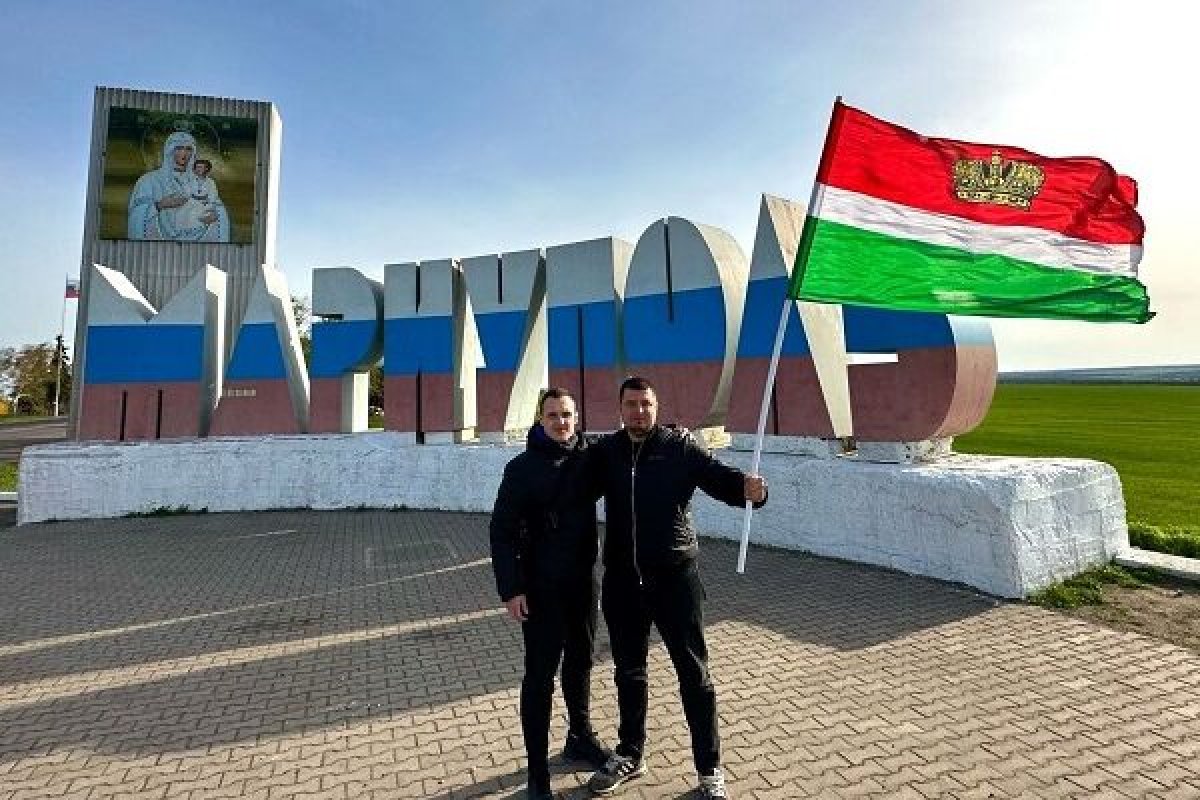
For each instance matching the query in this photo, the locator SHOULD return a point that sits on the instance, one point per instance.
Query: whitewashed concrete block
(1007, 526)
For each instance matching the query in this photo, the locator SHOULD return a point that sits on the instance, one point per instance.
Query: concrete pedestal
(1007, 526)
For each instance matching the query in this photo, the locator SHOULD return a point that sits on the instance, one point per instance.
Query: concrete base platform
(1007, 526)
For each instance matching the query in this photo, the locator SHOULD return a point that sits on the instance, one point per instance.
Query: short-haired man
(544, 543)
(647, 475)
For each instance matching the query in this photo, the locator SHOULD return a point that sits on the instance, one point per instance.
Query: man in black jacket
(647, 475)
(544, 543)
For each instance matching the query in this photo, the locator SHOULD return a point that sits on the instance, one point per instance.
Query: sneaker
(712, 787)
(587, 748)
(616, 771)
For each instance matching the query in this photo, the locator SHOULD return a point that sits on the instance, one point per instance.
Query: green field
(8, 476)
(1150, 433)
(19, 419)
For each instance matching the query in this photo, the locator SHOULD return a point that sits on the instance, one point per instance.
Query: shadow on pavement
(132, 591)
(262, 625)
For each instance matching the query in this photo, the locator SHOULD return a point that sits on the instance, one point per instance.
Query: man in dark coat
(544, 543)
(647, 475)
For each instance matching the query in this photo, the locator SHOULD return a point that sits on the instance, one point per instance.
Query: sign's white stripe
(1035, 245)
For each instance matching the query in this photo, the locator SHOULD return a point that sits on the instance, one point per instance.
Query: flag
(72, 289)
(904, 221)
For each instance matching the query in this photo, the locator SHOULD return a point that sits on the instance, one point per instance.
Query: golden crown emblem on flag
(997, 180)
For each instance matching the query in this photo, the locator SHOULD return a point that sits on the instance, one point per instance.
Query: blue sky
(422, 130)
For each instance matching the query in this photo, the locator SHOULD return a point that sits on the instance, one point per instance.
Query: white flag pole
(762, 427)
(62, 327)
(814, 202)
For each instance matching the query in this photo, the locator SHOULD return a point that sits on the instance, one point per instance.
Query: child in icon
(201, 208)
(203, 196)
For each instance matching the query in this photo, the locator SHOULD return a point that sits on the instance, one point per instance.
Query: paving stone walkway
(364, 655)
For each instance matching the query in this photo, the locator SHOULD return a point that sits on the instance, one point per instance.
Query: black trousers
(673, 600)
(561, 627)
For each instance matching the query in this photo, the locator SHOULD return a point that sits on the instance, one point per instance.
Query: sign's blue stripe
(500, 333)
(764, 302)
(144, 353)
(868, 330)
(697, 332)
(257, 355)
(339, 346)
(413, 344)
(599, 335)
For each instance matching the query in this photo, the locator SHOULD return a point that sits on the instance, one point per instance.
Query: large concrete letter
(811, 387)
(584, 281)
(148, 375)
(266, 386)
(346, 342)
(932, 376)
(507, 298)
(682, 312)
(431, 352)
(940, 384)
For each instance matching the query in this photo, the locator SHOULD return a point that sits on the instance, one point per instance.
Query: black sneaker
(587, 748)
(712, 787)
(615, 773)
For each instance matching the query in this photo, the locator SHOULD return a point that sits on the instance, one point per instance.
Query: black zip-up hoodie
(647, 488)
(543, 529)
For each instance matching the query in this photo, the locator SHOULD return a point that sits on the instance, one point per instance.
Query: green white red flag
(904, 221)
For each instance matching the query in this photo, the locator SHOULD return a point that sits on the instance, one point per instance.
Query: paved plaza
(364, 654)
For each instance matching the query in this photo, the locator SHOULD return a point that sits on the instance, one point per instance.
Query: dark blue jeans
(672, 599)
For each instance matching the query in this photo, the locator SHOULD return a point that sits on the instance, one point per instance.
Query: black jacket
(648, 487)
(543, 528)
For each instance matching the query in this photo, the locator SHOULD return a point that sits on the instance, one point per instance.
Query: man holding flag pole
(647, 474)
(908, 222)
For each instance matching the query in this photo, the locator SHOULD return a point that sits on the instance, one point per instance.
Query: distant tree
(6, 384)
(302, 311)
(375, 392)
(28, 374)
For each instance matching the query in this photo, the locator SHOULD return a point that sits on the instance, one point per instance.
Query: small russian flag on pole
(72, 289)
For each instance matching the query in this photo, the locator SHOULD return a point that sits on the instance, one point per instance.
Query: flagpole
(62, 327)
(814, 201)
(762, 427)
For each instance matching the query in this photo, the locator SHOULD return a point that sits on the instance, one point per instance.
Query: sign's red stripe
(1080, 197)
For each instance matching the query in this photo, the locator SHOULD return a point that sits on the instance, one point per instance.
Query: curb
(1176, 566)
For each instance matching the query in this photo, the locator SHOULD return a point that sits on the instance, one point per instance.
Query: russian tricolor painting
(149, 374)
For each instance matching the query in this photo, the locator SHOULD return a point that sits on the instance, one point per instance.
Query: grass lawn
(1150, 433)
(8, 476)
(17, 419)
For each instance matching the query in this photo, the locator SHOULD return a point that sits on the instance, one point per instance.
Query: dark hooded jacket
(543, 528)
(647, 489)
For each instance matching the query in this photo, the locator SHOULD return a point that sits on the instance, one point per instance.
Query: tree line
(27, 377)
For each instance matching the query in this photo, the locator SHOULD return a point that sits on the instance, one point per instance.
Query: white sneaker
(712, 787)
(619, 770)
